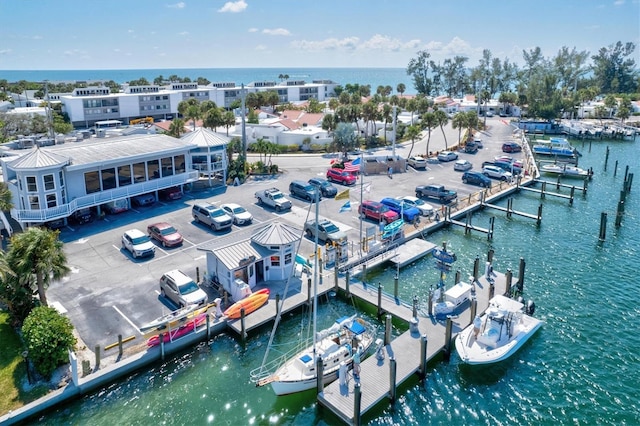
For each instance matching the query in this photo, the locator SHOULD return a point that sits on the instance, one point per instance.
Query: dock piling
(243, 329)
(473, 310)
(447, 338)
(603, 226)
(379, 299)
(395, 287)
(606, 158)
(573, 190)
(476, 267)
(415, 306)
(357, 401)
(161, 346)
(423, 356)
(619, 213)
(457, 278)
(320, 374)
(387, 329)
(490, 255)
(615, 169)
(430, 308)
(97, 349)
(521, 275)
(277, 303)
(309, 291)
(508, 279)
(346, 283)
(539, 219)
(209, 327)
(393, 370)
(335, 277)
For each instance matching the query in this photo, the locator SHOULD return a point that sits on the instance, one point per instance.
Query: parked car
(340, 176)
(143, 200)
(470, 148)
(409, 214)
(173, 193)
(377, 211)
(425, 208)
(212, 216)
(476, 178)
(511, 147)
(462, 165)
(496, 173)
(138, 243)
(326, 188)
(116, 206)
(81, 216)
(327, 231)
(417, 162)
(304, 190)
(478, 142)
(447, 156)
(239, 214)
(165, 234)
(179, 288)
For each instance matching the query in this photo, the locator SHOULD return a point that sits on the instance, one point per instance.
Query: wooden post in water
(277, 303)
(492, 290)
(619, 213)
(544, 188)
(490, 255)
(423, 356)
(476, 266)
(393, 371)
(447, 338)
(474, 309)
(120, 345)
(606, 158)
(539, 219)
(319, 374)
(243, 332)
(346, 283)
(573, 190)
(508, 277)
(395, 287)
(379, 299)
(309, 291)
(603, 226)
(97, 349)
(335, 277)
(630, 182)
(161, 336)
(208, 326)
(415, 306)
(626, 172)
(364, 273)
(615, 169)
(509, 207)
(558, 183)
(387, 329)
(357, 400)
(430, 308)
(492, 219)
(521, 275)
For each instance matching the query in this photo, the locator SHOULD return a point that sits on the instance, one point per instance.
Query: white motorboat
(559, 147)
(498, 333)
(564, 170)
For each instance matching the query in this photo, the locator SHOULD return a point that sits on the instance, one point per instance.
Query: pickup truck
(273, 198)
(327, 231)
(438, 192)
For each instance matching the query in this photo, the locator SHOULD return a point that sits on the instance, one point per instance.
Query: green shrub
(48, 337)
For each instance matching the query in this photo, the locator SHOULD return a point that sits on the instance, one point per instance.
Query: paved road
(110, 293)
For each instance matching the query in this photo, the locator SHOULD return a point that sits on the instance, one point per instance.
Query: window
(153, 169)
(49, 183)
(179, 163)
(32, 186)
(91, 182)
(275, 260)
(124, 175)
(287, 258)
(167, 166)
(61, 179)
(34, 202)
(139, 174)
(108, 178)
(51, 200)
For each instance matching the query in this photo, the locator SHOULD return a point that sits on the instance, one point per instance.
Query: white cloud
(253, 30)
(184, 33)
(116, 50)
(5, 51)
(276, 31)
(233, 6)
(261, 47)
(179, 5)
(348, 43)
(130, 31)
(74, 52)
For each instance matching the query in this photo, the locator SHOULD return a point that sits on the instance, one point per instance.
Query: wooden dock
(411, 251)
(375, 376)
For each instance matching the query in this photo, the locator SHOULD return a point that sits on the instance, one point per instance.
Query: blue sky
(116, 34)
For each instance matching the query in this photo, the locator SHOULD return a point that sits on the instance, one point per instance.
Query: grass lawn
(13, 371)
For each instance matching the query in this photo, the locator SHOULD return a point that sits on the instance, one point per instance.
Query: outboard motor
(520, 299)
(531, 307)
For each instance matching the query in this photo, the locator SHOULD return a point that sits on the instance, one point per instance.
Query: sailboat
(349, 338)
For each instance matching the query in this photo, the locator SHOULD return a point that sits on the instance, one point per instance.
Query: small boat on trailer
(499, 333)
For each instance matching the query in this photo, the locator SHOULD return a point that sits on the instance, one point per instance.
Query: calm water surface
(582, 367)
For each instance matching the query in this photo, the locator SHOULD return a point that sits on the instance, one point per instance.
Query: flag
(367, 187)
(344, 195)
(351, 167)
(356, 162)
(346, 207)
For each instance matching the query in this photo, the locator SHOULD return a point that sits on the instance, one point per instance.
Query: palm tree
(401, 88)
(176, 129)
(38, 252)
(459, 122)
(442, 119)
(212, 118)
(413, 132)
(228, 120)
(6, 197)
(429, 121)
(189, 109)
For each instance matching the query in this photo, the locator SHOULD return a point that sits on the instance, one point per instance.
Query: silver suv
(181, 289)
(212, 216)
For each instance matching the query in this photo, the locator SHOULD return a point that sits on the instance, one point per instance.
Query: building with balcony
(49, 183)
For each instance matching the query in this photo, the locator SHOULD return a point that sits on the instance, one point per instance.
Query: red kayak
(179, 332)
(249, 303)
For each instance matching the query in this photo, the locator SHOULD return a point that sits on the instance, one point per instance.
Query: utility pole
(244, 124)
(394, 132)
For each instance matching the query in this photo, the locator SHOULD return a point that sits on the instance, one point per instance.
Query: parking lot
(109, 292)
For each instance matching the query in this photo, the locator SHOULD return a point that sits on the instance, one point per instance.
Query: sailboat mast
(315, 272)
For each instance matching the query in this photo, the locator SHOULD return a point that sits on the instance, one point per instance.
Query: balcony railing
(62, 211)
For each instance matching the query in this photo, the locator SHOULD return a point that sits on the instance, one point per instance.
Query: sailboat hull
(281, 388)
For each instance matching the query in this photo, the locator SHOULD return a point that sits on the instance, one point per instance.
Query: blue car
(409, 213)
(476, 178)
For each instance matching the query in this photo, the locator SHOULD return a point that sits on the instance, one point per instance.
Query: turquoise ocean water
(581, 368)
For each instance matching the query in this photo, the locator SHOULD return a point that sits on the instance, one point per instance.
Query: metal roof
(277, 234)
(233, 256)
(38, 158)
(203, 137)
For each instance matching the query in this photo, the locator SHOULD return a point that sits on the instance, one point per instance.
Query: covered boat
(559, 147)
(498, 333)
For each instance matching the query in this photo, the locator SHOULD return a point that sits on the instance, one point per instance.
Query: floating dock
(411, 251)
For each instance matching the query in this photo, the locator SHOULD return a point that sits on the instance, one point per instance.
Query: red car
(165, 234)
(340, 176)
(377, 211)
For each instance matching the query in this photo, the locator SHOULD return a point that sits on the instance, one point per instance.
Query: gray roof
(38, 158)
(112, 148)
(277, 234)
(232, 255)
(205, 138)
